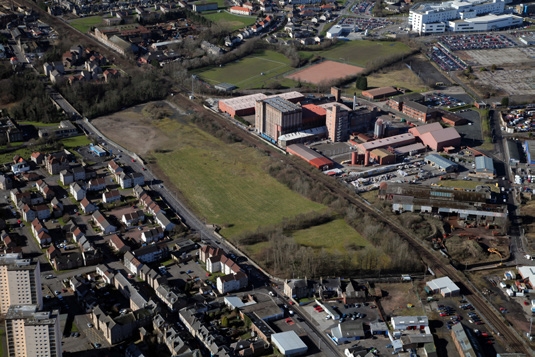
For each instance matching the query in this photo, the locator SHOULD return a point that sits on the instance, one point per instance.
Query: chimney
(366, 158)
(354, 158)
(354, 101)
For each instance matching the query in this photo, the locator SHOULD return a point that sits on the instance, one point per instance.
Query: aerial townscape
(247, 178)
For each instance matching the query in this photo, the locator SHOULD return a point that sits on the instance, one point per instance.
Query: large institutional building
(461, 15)
(20, 282)
(277, 116)
(32, 333)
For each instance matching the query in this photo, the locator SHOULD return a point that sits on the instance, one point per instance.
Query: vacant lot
(361, 53)
(226, 184)
(400, 77)
(254, 71)
(231, 21)
(395, 298)
(336, 235)
(84, 24)
(471, 185)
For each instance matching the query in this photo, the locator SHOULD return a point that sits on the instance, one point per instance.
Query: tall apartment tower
(20, 282)
(32, 333)
(337, 122)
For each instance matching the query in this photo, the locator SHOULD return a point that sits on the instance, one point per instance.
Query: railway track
(511, 339)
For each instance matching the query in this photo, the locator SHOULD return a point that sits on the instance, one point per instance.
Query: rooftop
(283, 105)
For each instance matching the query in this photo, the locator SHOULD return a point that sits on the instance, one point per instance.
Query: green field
(75, 141)
(25, 152)
(246, 73)
(84, 24)
(226, 184)
(335, 236)
(234, 22)
(361, 53)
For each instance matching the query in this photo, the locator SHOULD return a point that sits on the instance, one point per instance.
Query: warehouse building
(245, 105)
(302, 136)
(392, 141)
(441, 163)
(418, 111)
(422, 129)
(397, 102)
(466, 341)
(277, 116)
(529, 149)
(348, 331)
(410, 150)
(383, 156)
(312, 157)
(444, 286)
(514, 153)
(450, 118)
(379, 93)
(409, 322)
(313, 116)
(485, 167)
(288, 343)
(440, 139)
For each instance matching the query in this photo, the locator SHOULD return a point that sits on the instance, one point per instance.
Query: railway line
(510, 338)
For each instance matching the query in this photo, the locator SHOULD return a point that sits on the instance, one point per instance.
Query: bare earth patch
(325, 71)
(130, 129)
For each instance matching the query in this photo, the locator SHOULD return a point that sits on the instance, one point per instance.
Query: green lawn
(234, 22)
(470, 185)
(246, 73)
(226, 184)
(84, 24)
(220, 3)
(361, 53)
(334, 236)
(25, 152)
(75, 141)
(38, 124)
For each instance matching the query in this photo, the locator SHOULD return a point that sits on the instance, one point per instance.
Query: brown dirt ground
(398, 295)
(325, 71)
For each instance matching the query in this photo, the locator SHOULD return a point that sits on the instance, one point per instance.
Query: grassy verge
(222, 181)
(471, 185)
(84, 24)
(485, 128)
(233, 22)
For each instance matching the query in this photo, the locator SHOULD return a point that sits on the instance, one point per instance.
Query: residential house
(127, 180)
(117, 244)
(110, 74)
(97, 184)
(111, 196)
(138, 191)
(37, 157)
(105, 273)
(6, 183)
(45, 190)
(298, 288)
(172, 299)
(77, 191)
(330, 288)
(57, 207)
(103, 223)
(87, 206)
(163, 221)
(85, 245)
(151, 277)
(150, 206)
(114, 167)
(79, 173)
(133, 218)
(122, 327)
(132, 264)
(66, 177)
(152, 253)
(30, 176)
(152, 235)
(28, 214)
(56, 162)
(231, 282)
(66, 261)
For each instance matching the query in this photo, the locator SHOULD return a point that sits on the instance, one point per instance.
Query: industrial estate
(267, 178)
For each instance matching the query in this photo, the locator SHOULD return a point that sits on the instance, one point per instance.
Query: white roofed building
(444, 286)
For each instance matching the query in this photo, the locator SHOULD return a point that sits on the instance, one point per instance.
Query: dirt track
(325, 71)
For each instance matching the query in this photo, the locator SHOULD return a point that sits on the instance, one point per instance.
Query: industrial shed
(245, 105)
(391, 141)
(439, 139)
(312, 157)
(409, 322)
(288, 343)
(514, 153)
(418, 131)
(452, 119)
(348, 331)
(441, 162)
(383, 156)
(485, 167)
(529, 148)
(444, 286)
(379, 93)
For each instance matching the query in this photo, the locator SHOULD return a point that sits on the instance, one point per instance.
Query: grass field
(403, 77)
(25, 152)
(222, 182)
(84, 24)
(246, 73)
(335, 236)
(234, 22)
(471, 185)
(361, 53)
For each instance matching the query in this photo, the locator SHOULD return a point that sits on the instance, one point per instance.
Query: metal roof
(440, 161)
(288, 342)
(444, 284)
(282, 105)
(442, 135)
(422, 129)
(396, 140)
(484, 164)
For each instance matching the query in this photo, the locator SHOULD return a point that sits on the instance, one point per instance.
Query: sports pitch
(233, 22)
(254, 71)
(84, 24)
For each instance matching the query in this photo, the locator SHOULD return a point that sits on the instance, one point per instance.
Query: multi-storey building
(32, 333)
(277, 116)
(337, 121)
(20, 282)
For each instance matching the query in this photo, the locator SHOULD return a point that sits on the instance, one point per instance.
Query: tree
(362, 83)
(505, 101)
(493, 68)
(224, 321)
